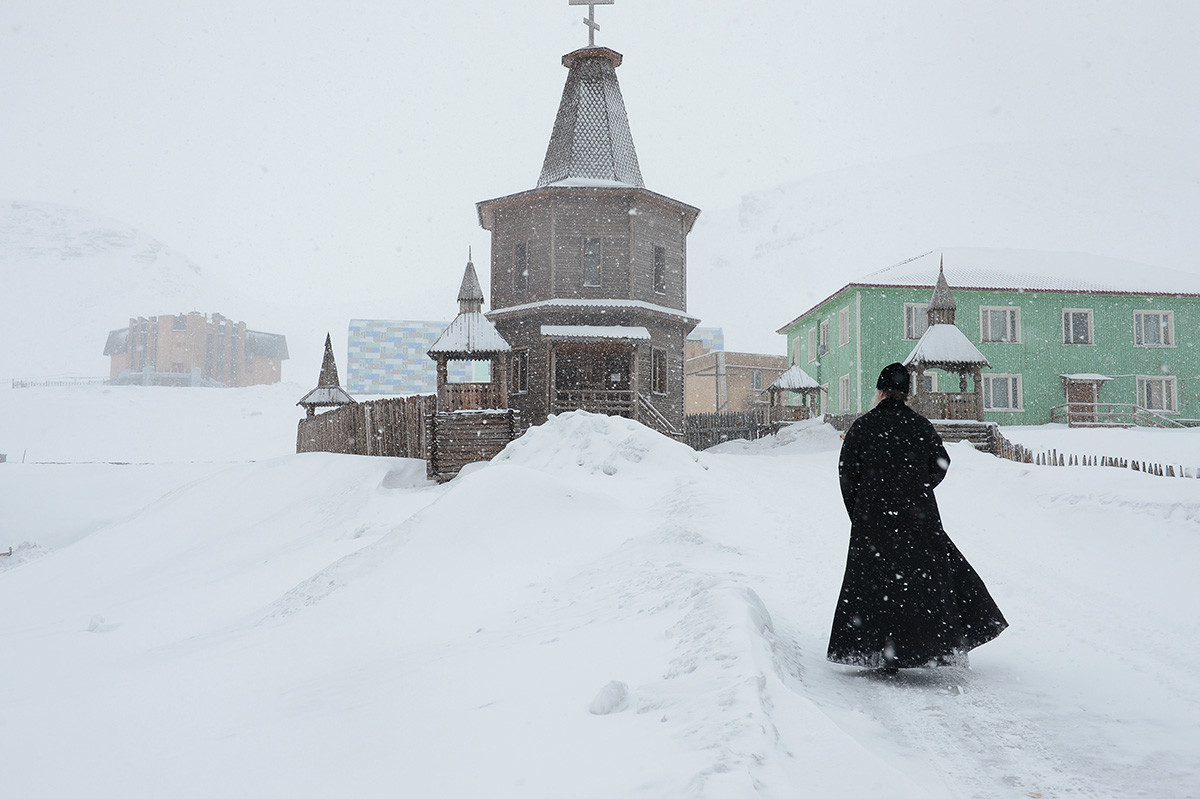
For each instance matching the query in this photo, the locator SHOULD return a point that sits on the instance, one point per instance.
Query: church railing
(609, 402)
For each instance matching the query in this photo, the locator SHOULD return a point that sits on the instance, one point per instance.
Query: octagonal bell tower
(589, 268)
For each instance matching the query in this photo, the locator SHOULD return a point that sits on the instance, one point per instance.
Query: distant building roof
(945, 344)
(268, 345)
(118, 342)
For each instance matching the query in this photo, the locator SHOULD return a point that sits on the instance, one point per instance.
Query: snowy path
(598, 613)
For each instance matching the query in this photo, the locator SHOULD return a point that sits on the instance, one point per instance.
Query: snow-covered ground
(192, 610)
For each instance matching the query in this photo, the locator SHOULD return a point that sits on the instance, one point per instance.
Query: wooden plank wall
(395, 427)
(461, 437)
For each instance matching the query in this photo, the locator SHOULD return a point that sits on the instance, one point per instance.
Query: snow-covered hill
(599, 612)
(755, 267)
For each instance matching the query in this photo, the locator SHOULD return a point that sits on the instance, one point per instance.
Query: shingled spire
(591, 139)
(328, 393)
(941, 305)
(470, 294)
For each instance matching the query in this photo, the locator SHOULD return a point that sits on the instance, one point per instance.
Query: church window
(520, 268)
(520, 371)
(591, 262)
(660, 270)
(658, 370)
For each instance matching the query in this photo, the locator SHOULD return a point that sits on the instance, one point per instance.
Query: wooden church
(589, 267)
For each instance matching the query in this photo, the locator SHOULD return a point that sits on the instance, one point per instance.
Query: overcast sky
(284, 146)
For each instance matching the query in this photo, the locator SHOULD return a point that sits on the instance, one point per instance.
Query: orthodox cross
(590, 19)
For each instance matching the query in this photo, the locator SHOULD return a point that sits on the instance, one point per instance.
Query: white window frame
(812, 344)
(756, 380)
(1014, 323)
(823, 337)
(1167, 330)
(844, 326)
(1169, 391)
(932, 376)
(1068, 328)
(823, 400)
(844, 394)
(795, 350)
(1018, 404)
(916, 315)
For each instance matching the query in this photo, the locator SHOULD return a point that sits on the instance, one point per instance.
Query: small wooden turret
(328, 393)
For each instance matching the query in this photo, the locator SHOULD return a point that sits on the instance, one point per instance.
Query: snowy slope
(755, 267)
(599, 612)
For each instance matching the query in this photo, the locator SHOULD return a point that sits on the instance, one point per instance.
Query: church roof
(468, 334)
(795, 379)
(941, 299)
(470, 290)
(945, 344)
(591, 140)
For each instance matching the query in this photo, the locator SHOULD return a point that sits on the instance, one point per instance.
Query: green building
(1108, 336)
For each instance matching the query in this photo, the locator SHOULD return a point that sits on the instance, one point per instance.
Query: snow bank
(809, 436)
(581, 443)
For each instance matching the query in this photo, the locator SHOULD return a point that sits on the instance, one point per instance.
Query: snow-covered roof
(1032, 270)
(945, 344)
(1025, 270)
(595, 331)
(470, 333)
(326, 395)
(590, 183)
(593, 304)
(795, 379)
(118, 341)
(1087, 377)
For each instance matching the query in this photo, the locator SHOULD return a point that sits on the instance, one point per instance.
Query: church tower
(589, 268)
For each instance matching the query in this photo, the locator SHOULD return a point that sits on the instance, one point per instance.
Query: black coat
(908, 597)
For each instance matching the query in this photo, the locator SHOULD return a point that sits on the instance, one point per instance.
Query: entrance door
(1082, 397)
(594, 377)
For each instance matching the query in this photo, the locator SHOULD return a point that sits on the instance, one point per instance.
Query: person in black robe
(909, 598)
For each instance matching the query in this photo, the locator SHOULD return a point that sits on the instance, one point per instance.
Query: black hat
(894, 377)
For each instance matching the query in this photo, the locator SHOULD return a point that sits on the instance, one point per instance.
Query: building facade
(589, 268)
(1056, 328)
(717, 381)
(194, 349)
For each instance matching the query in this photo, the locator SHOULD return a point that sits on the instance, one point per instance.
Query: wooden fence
(1016, 452)
(396, 427)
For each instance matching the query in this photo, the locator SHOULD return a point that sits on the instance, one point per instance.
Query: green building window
(1154, 328)
(916, 319)
(1002, 393)
(1077, 326)
(1000, 325)
(1156, 393)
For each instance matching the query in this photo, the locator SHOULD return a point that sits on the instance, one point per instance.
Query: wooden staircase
(981, 435)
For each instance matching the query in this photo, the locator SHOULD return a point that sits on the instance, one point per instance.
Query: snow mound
(812, 435)
(588, 443)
